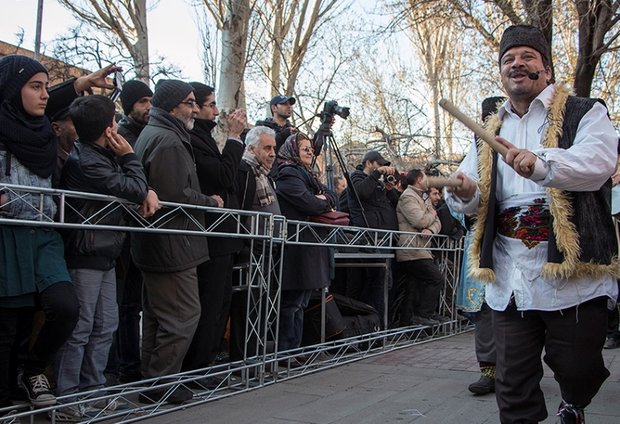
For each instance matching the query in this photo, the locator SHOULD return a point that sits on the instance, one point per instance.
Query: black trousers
(215, 291)
(572, 338)
(423, 284)
(483, 335)
(60, 306)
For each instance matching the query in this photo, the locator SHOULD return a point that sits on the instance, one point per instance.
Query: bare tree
(87, 48)
(125, 19)
(232, 18)
(595, 21)
(291, 26)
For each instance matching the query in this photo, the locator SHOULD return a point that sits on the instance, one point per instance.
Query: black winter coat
(95, 169)
(166, 153)
(304, 267)
(379, 204)
(130, 129)
(217, 174)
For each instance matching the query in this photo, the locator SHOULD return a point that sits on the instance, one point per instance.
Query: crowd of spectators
(121, 308)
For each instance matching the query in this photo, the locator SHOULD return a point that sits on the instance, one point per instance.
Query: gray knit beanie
(15, 71)
(169, 93)
(524, 35)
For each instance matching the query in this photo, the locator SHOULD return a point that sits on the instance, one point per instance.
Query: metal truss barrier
(259, 279)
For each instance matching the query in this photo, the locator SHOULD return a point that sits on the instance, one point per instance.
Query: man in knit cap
(544, 240)
(124, 359)
(171, 309)
(136, 101)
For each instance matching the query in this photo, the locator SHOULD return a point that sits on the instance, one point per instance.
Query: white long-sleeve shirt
(585, 166)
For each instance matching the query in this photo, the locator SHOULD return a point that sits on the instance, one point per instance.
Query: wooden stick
(441, 182)
(475, 127)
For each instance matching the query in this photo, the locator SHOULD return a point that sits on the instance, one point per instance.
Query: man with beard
(168, 262)
(124, 359)
(544, 239)
(136, 101)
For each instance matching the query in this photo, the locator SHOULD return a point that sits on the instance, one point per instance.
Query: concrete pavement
(426, 383)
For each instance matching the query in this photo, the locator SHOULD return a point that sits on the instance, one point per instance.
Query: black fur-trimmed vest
(582, 240)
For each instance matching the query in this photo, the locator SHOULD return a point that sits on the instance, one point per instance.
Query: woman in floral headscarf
(305, 268)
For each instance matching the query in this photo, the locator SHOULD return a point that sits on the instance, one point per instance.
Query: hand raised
(521, 160)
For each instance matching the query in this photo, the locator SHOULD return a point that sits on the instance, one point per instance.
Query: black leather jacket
(94, 169)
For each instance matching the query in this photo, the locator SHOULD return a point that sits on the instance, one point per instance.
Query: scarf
(264, 192)
(30, 139)
(288, 155)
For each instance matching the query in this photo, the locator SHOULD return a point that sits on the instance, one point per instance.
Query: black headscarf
(30, 139)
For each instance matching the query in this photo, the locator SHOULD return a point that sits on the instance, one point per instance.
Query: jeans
(82, 359)
(292, 305)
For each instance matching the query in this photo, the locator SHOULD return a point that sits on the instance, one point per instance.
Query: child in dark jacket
(101, 162)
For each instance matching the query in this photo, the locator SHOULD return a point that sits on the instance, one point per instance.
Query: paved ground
(423, 384)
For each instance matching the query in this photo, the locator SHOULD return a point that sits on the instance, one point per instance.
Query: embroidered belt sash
(530, 224)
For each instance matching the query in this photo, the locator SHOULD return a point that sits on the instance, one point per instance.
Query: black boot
(570, 414)
(486, 383)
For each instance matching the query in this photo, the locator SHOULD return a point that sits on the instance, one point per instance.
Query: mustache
(518, 72)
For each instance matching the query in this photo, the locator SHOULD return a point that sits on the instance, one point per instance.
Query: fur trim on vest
(565, 258)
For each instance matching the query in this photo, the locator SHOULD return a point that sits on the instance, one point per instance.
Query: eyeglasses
(190, 103)
(307, 150)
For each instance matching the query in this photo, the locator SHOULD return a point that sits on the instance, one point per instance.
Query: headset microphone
(534, 75)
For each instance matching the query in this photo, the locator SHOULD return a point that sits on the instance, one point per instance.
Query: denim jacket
(23, 205)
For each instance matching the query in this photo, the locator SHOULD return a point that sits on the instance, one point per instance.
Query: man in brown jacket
(423, 280)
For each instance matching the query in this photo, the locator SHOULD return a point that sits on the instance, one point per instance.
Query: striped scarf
(264, 191)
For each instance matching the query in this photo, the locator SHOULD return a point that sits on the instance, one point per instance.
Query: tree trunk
(140, 49)
(595, 21)
(230, 94)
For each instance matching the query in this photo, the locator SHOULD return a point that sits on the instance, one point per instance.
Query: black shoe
(290, 363)
(38, 390)
(442, 319)
(483, 386)
(612, 343)
(570, 414)
(129, 377)
(420, 320)
(207, 383)
(178, 395)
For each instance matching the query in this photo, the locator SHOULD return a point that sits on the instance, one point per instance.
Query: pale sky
(172, 29)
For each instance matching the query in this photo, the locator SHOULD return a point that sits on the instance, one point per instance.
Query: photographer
(281, 110)
(374, 181)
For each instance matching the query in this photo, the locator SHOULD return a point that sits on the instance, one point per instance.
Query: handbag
(331, 218)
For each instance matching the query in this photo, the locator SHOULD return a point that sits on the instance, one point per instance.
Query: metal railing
(259, 279)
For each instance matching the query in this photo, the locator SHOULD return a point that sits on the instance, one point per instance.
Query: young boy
(101, 162)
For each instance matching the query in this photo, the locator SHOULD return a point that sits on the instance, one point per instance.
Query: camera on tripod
(331, 108)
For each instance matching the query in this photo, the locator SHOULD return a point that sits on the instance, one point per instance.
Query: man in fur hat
(544, 240)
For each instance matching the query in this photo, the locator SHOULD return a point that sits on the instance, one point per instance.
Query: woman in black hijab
(33, 273)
